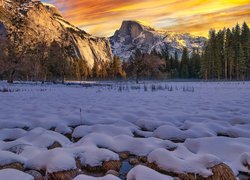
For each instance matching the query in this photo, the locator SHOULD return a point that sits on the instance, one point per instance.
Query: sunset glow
(103, 17)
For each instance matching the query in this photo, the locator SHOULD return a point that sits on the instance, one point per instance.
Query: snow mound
(14, 175)
(197, 164)
(144, 173)
(9, 157)
(122, 143)
(111, 130)
(193, 130)
(233, 151)
(85, 177)
(52, 161)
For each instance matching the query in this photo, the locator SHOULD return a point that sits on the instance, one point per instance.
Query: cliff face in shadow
(29, 23)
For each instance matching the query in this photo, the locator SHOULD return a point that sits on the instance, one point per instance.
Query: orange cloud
(103, 17)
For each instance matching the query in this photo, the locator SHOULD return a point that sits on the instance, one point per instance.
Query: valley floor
(170, 127)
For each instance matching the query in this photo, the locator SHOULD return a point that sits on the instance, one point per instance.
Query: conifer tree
(184, 67)
(176, 65)
(245, 43)
(168, 65)
(95, 70)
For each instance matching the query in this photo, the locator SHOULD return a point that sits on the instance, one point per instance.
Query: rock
(124, 155)
(37, 175)
(112, 172)
(133, 161)
(43, 23)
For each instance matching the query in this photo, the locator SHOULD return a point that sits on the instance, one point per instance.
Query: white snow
(7, 158)
(190, 163)
(149, 39)
(53, 161)
(85, 177)
(144, 173)
(14, 175)
(232, 151)
(193, 129)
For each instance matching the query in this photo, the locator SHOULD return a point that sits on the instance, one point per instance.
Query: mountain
(35, 22)
(134, 35)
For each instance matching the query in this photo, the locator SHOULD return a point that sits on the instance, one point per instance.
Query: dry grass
(55, 145)
(16, 165)
(106, 166)
(220, 172)
(111, 165)
(64, 175)
(36, 174)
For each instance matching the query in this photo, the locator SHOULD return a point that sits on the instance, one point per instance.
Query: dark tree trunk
(11, 77)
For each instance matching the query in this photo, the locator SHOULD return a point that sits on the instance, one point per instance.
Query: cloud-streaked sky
(103, 17)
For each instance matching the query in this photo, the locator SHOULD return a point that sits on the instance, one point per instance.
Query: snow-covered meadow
(179, 127)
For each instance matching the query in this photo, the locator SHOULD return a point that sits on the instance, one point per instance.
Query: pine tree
(84, 69)
(195, 65)
(137, 65)
(229, 54)
(57, 62)
(245, 44)
(168, 65)
(219, 53)
(184, 69)
(96, 70)
(117, 68)
(212, 53)
(104, 70)
(242, 64)
(236, 47)
(176, 65)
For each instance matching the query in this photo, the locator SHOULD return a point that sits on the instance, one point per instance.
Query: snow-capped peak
(137, 35)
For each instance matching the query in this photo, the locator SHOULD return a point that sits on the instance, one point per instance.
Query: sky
(103, 17)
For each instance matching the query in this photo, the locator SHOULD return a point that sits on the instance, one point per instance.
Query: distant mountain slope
(135, 35)
(44, 22)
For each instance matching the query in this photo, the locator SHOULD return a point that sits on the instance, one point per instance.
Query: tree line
(56, 62)
(164, 66)
(226, 55)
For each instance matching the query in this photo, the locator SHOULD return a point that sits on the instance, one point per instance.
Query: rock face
(135, 35)
(43, 22)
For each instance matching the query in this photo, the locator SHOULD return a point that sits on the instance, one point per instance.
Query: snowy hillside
(50, 130)
(136, 35)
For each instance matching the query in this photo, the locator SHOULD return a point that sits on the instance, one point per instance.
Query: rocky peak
(52, 9)
(136, 35)
(41, 22)
(132, 28)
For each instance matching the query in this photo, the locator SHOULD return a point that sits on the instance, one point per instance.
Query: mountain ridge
(134, 35)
